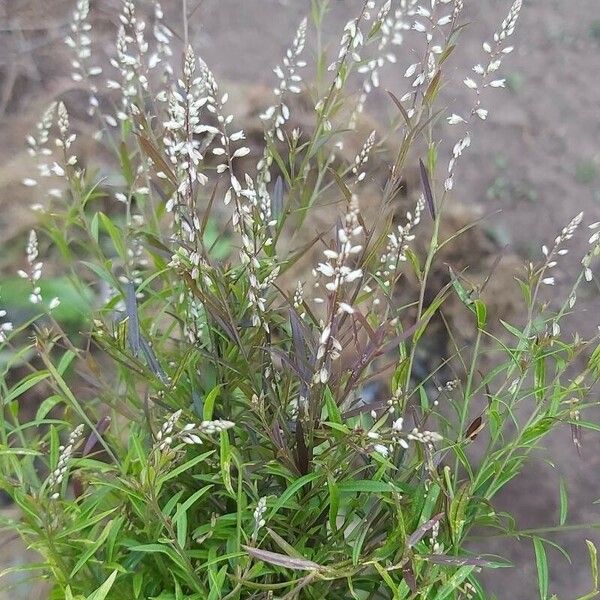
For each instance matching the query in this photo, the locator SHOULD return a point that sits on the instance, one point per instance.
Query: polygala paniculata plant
(237, 412)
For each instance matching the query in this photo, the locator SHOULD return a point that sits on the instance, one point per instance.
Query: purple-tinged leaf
(93, 438)
(299, 341)
(400, 108)
(418, 534)
(152, 361)
(409, 577)
(427, 189)
(277, 198)
(303, 456)
(461, 561)
(133, 324)
(281, 560)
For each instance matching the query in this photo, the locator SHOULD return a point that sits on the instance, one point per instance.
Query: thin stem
(184, 10)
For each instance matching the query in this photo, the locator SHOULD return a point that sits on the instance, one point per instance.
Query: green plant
(212, 437)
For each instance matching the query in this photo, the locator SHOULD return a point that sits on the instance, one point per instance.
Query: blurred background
(533, 165)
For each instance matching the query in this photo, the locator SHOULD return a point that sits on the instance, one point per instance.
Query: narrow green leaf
(92, 549)
(564, 502)
(291, 491)
(481, 312)
(454, 582)
(209, 403)
(102, 592)
(225, 459)
(333, 412)
(593, 552)
(334, 503)
(541, 562)
(367, 486)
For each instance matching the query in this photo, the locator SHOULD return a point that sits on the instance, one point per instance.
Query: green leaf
(209, 403)
(358, 544)
(92, 549)
(368, 486)
(333, 411)
(454, 582)
(481, 312)
(102, 592)
(115, 234)
(388, 580)
(126, 167)
(542, 567)
(25, 384)
(46, 406)
(291, 491)
(458, 510)
(540, 378)
(225, 460)
(334, 503)
(186, 466)
(462, 293)
(564, 503)
(181, 524)
(593, 552)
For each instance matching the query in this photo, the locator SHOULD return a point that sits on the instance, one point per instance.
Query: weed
(213, 432)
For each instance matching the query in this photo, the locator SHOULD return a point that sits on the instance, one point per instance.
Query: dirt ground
(536, 159)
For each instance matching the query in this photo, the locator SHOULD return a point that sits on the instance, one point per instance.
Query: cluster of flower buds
(483, 78)
(34, 272)
(393, 25)
(259, 516)
(131, 50)
(397, 246)
(335, 268)
(189, 433)
(449, 386)
(64, 458)
(163, 436)
(362, 157)
(289, 82)
(353, 40)
(384, 441)
(557, 249)
(5, 327)
(594, 251)
(40, 148)
(80, 42)
(425, 437)
(163, 36)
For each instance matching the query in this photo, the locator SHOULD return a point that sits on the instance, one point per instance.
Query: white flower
(411, 70)
(455, 119)
(381, 449)
(326, 269)
(345, 308)
(244, 151)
